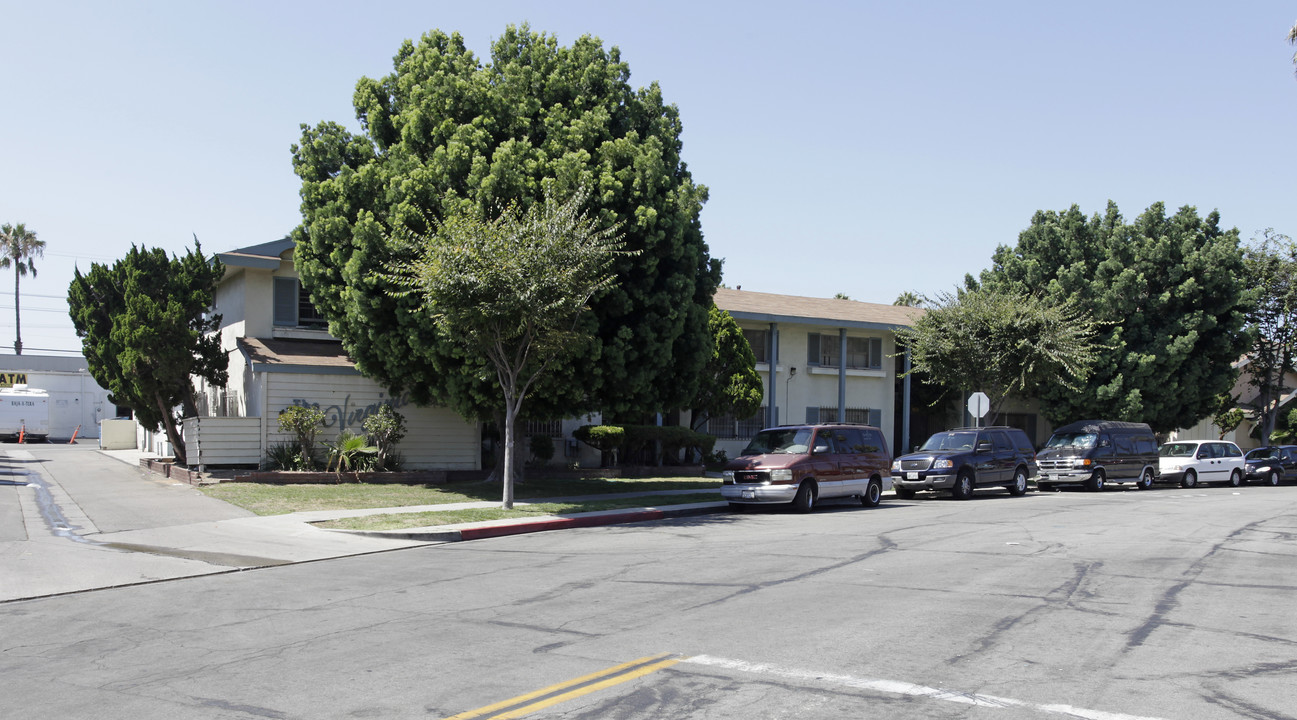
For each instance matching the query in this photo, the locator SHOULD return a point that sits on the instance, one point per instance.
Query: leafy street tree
(730, 384)
(446, 135)
(145, 332)
(18, 246)
(1170, 296)
(513, 290)
(1001, 342)
(1271, 265)
(1228, 417)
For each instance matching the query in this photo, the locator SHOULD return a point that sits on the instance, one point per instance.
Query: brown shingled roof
(744, 304)
(274, 351)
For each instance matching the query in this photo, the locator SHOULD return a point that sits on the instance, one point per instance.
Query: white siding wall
(223, 440)
(435, 437)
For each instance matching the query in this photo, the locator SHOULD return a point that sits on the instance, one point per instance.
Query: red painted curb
(559, 524)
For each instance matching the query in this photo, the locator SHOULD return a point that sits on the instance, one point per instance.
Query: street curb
(481, 531)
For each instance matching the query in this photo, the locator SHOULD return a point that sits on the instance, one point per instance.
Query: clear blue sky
(867, 148)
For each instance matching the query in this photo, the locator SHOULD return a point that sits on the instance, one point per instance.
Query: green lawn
(399, 521)
(280, 499)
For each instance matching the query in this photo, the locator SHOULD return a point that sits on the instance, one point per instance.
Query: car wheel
(1019, 486)
(1145, 480)
(1235, 479)
(873, 494)
(1274, 477)
(904, 493)
(1189, 480)
(805, 500)
(963, 488)
(1095, 483)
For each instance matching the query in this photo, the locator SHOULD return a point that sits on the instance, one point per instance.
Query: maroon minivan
(802, 464)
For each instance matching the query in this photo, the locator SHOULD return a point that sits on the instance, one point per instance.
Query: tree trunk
(173, 433)
(510, 414)
(18, 319)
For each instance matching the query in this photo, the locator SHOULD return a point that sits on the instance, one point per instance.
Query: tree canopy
(1271, 263)
(512, 289)
(447, 135)
(18, 247)
(1002, 342)
(730, 383)
(1169, 291)
(145, 332)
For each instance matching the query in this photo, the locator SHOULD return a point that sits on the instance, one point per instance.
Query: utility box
(24, 411)
(117, 434)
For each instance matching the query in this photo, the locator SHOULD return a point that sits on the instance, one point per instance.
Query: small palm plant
(348, 451)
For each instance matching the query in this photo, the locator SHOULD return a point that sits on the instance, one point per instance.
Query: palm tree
(18, 246)
(909, 298)
(1292, 40)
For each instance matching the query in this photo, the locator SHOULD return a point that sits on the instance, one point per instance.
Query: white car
(1190, 462)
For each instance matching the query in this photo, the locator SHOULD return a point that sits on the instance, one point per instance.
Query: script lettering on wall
(350, 416)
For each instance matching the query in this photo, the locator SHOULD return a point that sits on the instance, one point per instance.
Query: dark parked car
(1094, 453)
(1271, 464)
(964, 459)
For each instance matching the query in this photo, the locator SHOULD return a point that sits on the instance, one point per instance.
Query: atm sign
(9, 379)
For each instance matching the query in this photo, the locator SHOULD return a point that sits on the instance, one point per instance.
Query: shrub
(386, 429)
(641, 439)
(281, 456)
(350, 451)
(542, 448)
(607, 439)
(304, 422)
(601, 437)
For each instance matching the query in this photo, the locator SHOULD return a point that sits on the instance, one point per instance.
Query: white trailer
(24, 411)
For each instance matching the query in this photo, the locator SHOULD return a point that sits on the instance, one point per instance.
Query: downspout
(905, 407)
(842, 376)
(773, 419)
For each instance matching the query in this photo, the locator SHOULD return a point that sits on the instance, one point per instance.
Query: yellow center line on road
(570, 689)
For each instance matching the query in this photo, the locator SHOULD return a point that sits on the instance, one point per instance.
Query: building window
(292, 305)
(862, 353)
(548, 428)
(859, 416)
(731, 428)
(760, 342)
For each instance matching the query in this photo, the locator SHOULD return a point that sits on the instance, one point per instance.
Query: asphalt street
(1119, 605)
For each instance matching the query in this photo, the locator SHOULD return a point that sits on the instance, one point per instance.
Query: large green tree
(1271, 262)
(146, 332)
(730, 383)
(445, 134)
(512, 290)
(18, 247)
(1170, 291)
(1002, 342)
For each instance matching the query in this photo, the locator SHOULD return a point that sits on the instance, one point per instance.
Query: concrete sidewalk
(90, 519)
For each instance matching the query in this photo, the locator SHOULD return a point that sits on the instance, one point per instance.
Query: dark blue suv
(964, 459)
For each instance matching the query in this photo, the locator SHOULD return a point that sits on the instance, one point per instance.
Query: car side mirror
(820, 450)
(984, 447)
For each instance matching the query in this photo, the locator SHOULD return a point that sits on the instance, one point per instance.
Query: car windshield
(1263, 454)
(782, 440)
(950, 441)
(1072, 440)
(1178, 450)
